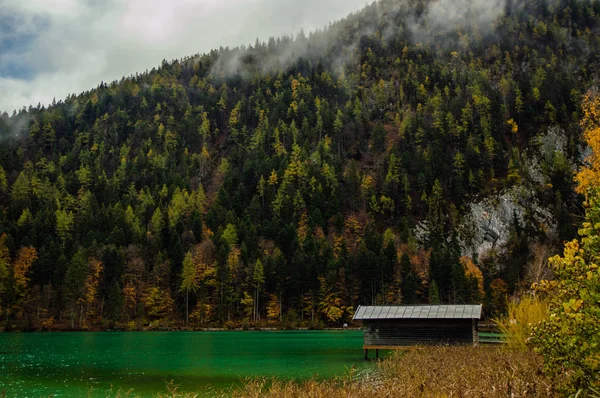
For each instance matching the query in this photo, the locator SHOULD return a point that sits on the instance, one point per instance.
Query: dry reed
(428, 372)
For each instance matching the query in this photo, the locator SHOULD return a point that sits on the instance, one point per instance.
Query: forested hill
(417, 151)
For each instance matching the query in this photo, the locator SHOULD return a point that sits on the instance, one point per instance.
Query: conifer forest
(387, 158)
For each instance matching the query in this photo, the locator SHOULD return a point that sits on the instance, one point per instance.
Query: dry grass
(429, 372)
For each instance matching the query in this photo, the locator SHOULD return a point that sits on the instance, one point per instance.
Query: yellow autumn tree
(198, 272)
(303, 228)
(568, 338)
(331, 305)
(247, 303)
(273, 308)
(157, 302)
(90, 298)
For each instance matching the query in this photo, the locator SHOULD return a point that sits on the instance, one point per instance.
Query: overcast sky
(50, 48)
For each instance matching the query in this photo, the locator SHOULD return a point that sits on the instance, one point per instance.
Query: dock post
(377, 353)
(366, 354)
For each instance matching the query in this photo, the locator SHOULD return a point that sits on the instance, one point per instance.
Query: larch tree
(189, 280)
(92, 282)
(199, 273)
(4, 267)
(3, 181)
(20, 276)
(64, 224)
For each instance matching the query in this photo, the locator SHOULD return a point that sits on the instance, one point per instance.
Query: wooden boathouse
(397, 327)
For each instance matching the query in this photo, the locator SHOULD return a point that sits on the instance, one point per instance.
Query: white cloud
(84, 42)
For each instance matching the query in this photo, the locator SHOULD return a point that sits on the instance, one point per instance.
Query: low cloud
(442, 18)
(444, 15)
(446, 24)
(59, 47)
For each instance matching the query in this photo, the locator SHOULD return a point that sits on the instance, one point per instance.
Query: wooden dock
(491, 338)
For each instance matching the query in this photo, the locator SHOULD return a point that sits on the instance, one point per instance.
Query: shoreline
(175, 330)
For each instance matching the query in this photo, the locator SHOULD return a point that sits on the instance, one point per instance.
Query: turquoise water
(90, 364)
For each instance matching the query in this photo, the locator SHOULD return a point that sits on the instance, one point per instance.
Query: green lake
(90, 364)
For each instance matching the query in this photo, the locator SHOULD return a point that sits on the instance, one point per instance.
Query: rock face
(490, 222)
(549, 145)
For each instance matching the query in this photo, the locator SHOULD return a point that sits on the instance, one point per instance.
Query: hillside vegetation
(291, 180)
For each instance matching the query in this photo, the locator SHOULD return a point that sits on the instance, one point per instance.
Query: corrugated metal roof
(471, 311)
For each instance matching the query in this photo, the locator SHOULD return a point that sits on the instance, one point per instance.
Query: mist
(63, 47)
(437, 23)
(443, 16)
(52, 48)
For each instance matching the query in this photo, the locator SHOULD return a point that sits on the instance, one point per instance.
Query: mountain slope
(294, 179)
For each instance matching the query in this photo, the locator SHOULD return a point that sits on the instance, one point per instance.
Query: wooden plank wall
(406, 332)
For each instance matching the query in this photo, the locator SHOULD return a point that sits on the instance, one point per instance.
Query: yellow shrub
(521, 317)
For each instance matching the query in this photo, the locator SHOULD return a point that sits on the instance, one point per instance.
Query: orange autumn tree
(588, 177)
(20, 269)
(21, 266)
(133, 281)
(90, 298)
(82, 281)
(472, 272)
